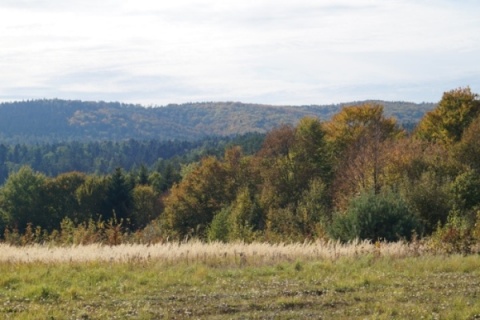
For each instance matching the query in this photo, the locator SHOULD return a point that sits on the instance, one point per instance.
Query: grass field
(237, 281)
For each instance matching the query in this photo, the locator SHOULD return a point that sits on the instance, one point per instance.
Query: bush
(458, 235)
(370, 216)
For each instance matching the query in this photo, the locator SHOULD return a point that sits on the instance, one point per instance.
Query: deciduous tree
(61, 199)
(454, 113)
(467, 151)
(357, 135)
(91, 197)
(290, 158)
(192, 203)
(22, 199)
(145, 205)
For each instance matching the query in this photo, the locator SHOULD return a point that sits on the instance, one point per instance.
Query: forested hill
(64, 120)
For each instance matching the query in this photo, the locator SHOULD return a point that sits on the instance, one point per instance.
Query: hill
(66, 120)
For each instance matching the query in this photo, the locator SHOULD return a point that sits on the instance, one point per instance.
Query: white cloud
(268, 51)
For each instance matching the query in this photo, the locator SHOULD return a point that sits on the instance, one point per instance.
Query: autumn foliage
(358, 175)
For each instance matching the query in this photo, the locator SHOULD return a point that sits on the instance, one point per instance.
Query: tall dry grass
(210, 253)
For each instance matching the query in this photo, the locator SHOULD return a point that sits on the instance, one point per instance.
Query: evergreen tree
(143, 176)
(119, 196)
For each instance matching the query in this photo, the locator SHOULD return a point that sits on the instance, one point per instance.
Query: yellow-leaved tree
(357, 135)
(454, 113)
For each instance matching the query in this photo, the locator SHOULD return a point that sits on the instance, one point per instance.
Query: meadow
(195, 280)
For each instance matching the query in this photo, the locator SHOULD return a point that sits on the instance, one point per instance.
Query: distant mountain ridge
(57, 120)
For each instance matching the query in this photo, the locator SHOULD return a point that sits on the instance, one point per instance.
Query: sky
(296, 52)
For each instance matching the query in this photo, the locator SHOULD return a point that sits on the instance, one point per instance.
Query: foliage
(375, 217)
(246, 217)
(353, 123)
(357, 175)
(30, 198)
(60, 197)
(49, 121)
(357, 135)
(314, 210)
(454, 113)
(430, 198)
(307, 220)
(119, 200)
(289, 159)
(191, 204)
(103, 157)
(466, 192)
(242, 220)
(91, 197)
(467, 150)
(22, 200)
(219, 229)
(310, 153)
(404, 161)
(146, 205)
(458, 235)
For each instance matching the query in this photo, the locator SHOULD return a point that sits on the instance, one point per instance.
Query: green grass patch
(431, 287)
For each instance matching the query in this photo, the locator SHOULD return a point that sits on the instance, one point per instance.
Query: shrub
(456, 236)
(375, 217)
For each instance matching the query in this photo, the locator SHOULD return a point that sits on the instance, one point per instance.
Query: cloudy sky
(263, 51)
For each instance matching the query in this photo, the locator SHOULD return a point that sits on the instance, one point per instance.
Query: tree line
(55, 120)
(357, 175)
(103, 157)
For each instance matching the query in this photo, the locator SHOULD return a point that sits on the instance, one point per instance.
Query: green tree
(310, 152)
(290, 158)
(466, 193)
(142, 178)
(22, 199)
(307, 219)
(119, 196)
(246, 217)
(145, 207)
(314, 210)
(170, 176)
(219, 229)
(60, 197)
(155, 179)
(430, 198)
(467, 151)
(371, 216)
(92, 198)
(274, 165)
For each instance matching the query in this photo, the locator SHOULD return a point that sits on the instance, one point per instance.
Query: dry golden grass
(195, 251)
(209, 281)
